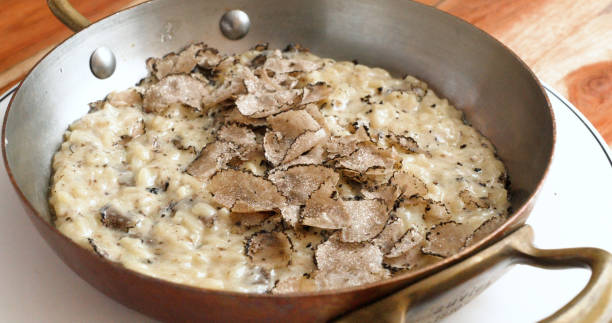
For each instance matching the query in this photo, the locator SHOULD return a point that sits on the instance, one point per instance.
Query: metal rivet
(235, 24)
(102, 62)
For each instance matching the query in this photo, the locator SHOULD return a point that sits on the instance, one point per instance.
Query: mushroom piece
(446, 239)
(409, 184)
(392, 232)
(292, 134)
(486, 228)
(297, 183)
(244, 192)
(387, 193)
(345, 145)
(127, 98)
(243, 137)
(184, 61)
(233, 142)
(344, 264)
(368, 164)
(471, 202)
(406, 253)
(269, 250)
(250, 219)
(114, 219)
(367, 218)
(324, 211)
(213, 157)
(263, 104)
(294, 284)
(171, 89)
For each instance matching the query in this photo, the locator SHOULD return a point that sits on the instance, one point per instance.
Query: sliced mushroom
(368, 163)
(446, 239)
(471, 202)
(114, 219)
(127, 98)
(346, 145)
(244, 192)
(388, 193)
(409, 184)
(294, 284)
(293, 123)
(485, 229)
(304, 143)
(250, 219)
(406, 253)
(171, 89)
(214, 156)
(264, 104)
(367, 218)
(233, 116)
(392, 232)
(184, 61)
(269, 250)
(242, 137)
(292, 134)
(297, 183)
(324, 211)
(343, 264)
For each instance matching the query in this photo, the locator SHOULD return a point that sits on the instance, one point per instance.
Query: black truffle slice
(344, 264)
(126, 98)
(392, 232)
(244, 192)
(324, 210)
(406, 253)
(485, 229)
(446, 239)
(114, 219)
(171, 89)
(269, 250)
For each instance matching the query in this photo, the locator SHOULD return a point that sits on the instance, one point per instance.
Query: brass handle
(442, 293)
(69, 16)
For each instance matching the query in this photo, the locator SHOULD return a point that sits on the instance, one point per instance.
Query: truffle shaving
(485, 229)
(215, 156)
(294, 284)
(344, 264)
(264, 104)
(113, 218)
(244, 192)
(171, 89)
(299, 182)
(409, 184)
(406, 253)
(324, 211)
(446, 239)
(269, 250)
(392, 232)
(127, 98)
(367, 219)
(184, 61)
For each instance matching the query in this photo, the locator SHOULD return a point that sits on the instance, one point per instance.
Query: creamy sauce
(197, 242)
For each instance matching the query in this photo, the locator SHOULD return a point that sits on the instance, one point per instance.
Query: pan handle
(65, 12)
(442, 293)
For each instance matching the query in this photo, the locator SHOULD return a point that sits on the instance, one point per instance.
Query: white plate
(574, 210)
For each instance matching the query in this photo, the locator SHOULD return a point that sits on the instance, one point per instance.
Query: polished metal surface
(497, 92)
(235, 24)
(102, 62)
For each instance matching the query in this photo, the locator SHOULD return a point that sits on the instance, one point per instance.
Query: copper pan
(500, 96)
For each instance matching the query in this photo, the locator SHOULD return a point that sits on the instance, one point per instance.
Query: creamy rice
(125, 160)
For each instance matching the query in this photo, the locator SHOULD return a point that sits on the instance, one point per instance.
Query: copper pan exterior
(499, 95)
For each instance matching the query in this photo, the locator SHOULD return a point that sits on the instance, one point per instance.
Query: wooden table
(567, 43)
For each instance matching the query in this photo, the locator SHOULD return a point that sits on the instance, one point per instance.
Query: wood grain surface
(567, 43)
